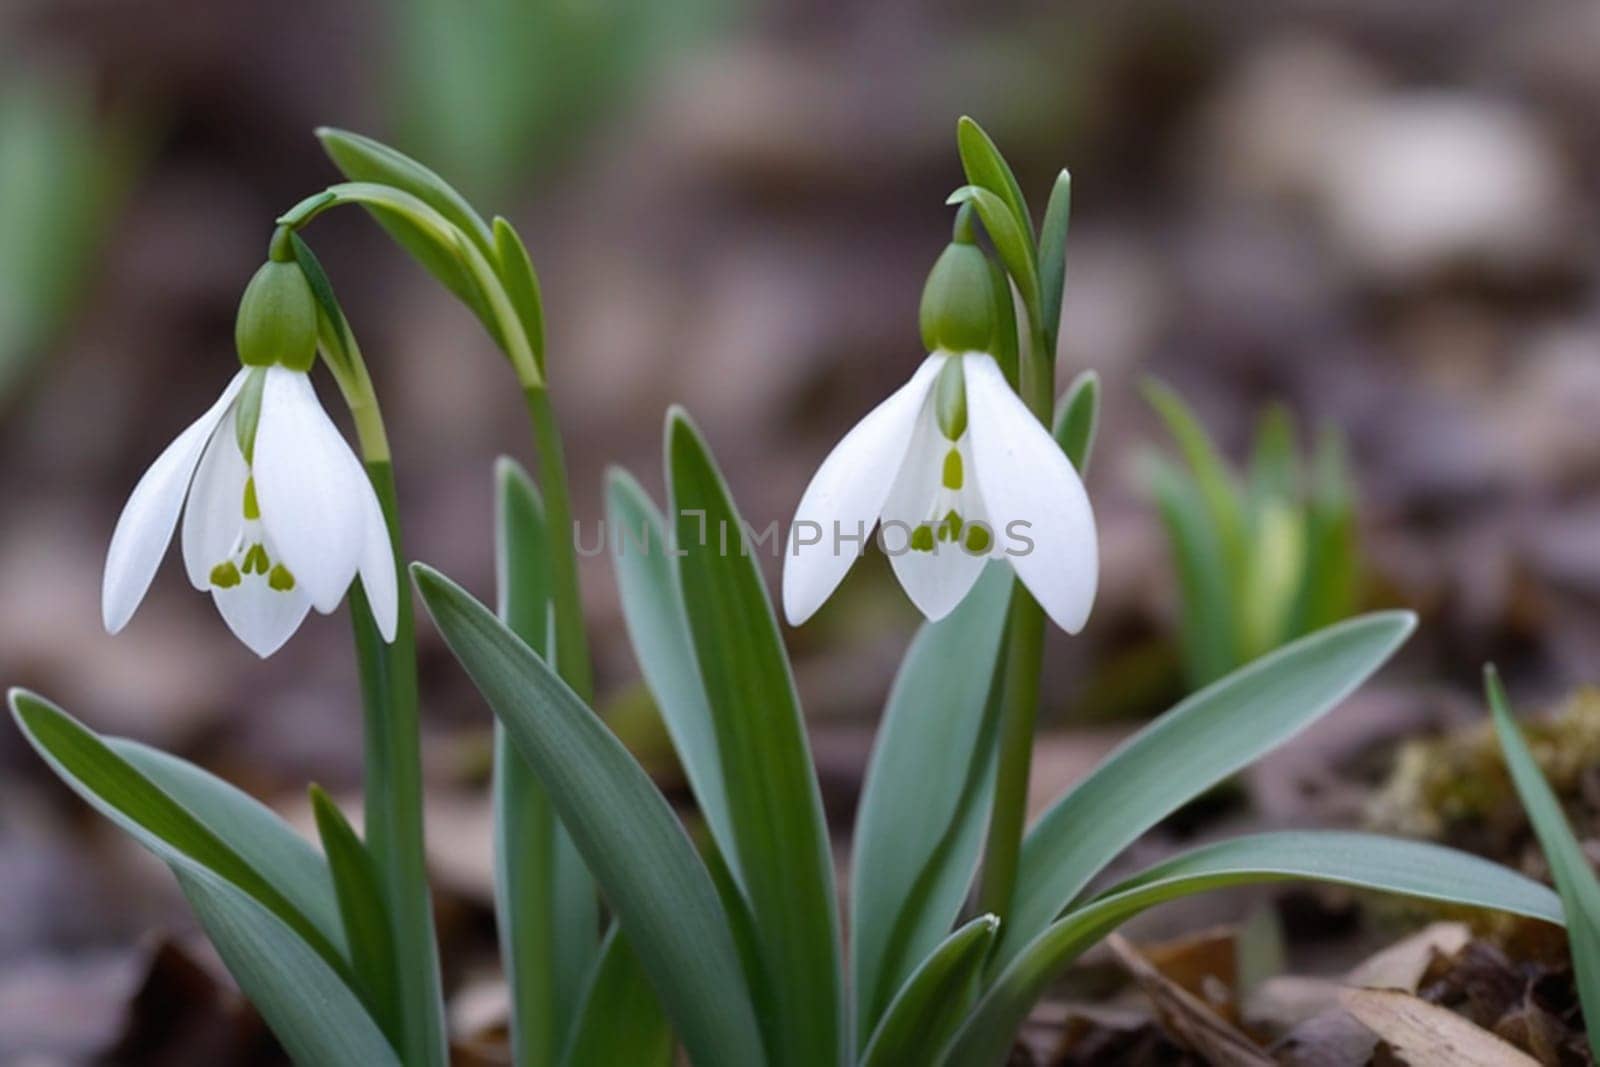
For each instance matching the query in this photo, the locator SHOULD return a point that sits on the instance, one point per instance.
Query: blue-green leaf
(312, 1011)
(775, 804)
(928, 1008)
(1569, 866)
(1197, 744)
(1367, 861)
(924, 802)
(630, 840)
(363, 912)
(658, 630)
(1077, 419)
(620, 1023)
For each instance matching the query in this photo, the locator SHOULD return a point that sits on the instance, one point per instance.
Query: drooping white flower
(959, 472)
(278, 515)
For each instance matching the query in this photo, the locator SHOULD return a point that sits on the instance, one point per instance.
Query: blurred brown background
(1383, 214)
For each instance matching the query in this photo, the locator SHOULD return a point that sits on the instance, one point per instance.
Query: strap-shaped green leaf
(1077, 419)
(188, 818)
(1053, 253)
(773, 797)
(630, 840)
(986, 167)
(1197, 744)
(1216, 482)
(545, 903)
(362, 159)
(620, 1020)
(1569, 866)
(1206, 623)
(1367, 861)
(363, 911)
(924, 801)
(522, 284)
(929, 1006)
(1011, 241)
(658, 631)
(312, 1011)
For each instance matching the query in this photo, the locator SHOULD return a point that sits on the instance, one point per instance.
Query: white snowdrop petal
(846, 495)
(939, 580)
(148, 519)
(377, 567)
(310, 487)
(1024, 477)
(214, 516)
(260, 616)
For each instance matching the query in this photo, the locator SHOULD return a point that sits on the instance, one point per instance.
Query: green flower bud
(277, 320)
(958, 312)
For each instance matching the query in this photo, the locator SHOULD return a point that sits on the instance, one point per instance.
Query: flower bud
(277, 320)
(958, 312)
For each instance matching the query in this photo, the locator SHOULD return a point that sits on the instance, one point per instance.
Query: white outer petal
(939, 580)
(1023, 475)
(310, 487)
(214, 516)
(377, 567)
(145, 528)
(850, 489)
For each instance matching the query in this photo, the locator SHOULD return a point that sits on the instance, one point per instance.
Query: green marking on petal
(922, 539)
(256, 561)
(950, 526)
(225, 576)
(978, 538)
(953, 473)
(252, 507)
(280, 579)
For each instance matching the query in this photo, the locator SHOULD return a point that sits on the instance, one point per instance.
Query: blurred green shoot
(62, 174)
(1263, 556)
(1569, 866)
(493, 90)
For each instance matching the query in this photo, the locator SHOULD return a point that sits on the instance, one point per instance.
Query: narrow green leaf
(1333, 558)
(1186, 751)
(522, 285)
(775, 804)
(657, 887)
(1077, 419)
(363, 911)
(1366, 861)
(1206, 623)
(620, 1020)
(545, 903)
(1053, 253)
(314, 1014)
(1216, 482)
(658, 631)
(362, 159)
(986, 167)
(161, 822)
(905, 889)
(1569, 866)
(252, 829)
(1274, 461)
(1011, 241)
(930, 1005)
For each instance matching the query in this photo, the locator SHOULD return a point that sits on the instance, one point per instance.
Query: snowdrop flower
(958, 471)
(278, 514)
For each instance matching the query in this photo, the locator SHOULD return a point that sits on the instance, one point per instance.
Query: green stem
(393, 801)
(1019, 706)
(572, 643)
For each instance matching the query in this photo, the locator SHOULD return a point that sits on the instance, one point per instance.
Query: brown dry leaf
(1187, 1019)
(1403, 964)
(1426, 1035)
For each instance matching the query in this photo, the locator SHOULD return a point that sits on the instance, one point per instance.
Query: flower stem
(1019, 699)
(393, 800)
(572, 643)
